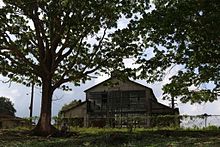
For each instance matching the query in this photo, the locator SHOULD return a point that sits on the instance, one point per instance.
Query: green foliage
(52, 42)
(6, 106)
(52, 39)
(113, 138)
(216, 128)
(22, 128)
(184, 34)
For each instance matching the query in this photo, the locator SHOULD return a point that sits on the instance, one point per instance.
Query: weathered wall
(7, 124)
(113, 98)
(79, 112)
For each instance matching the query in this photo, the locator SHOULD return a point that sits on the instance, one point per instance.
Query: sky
(20, 95)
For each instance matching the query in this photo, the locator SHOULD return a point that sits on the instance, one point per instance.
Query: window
(117, 100)
(137, 97)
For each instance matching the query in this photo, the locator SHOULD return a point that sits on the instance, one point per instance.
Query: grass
(113, 137)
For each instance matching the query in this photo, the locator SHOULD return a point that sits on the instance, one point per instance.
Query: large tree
(185, 34)
(52, 42)
(6, 107)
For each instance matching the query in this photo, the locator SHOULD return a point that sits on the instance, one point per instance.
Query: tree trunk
(44, 127)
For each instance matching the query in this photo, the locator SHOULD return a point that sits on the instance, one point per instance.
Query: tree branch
(60, 82)
(99, 45)
(19, 56)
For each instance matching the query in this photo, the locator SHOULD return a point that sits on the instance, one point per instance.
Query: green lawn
(115, 137)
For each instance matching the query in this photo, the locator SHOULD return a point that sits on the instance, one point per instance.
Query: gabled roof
(109, 79)
(73, 107)
(10, 117)
(176, 110)
(127, 80)
(97, 85)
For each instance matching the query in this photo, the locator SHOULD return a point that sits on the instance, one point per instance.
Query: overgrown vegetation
(116, 137)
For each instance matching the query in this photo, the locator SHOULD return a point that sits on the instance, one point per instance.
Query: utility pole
(173, 103)
(31, 104)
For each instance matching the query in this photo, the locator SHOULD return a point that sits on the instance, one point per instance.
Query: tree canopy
(184, 34)
(67, 40)
(6, 107)
(52, 42)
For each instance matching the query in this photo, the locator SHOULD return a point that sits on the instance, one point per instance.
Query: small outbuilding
(8, 122)
(75, 115)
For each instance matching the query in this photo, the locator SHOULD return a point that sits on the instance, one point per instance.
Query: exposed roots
(49, 131)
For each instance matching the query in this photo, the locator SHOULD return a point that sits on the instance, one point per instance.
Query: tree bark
(44, 127)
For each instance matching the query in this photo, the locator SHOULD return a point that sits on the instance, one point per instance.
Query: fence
(182, 121)
(199, 121)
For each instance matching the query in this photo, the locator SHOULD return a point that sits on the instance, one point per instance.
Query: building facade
(120, 103)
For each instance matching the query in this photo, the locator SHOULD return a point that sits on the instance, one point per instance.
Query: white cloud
(19, 97)
(18, 94)
(101, 79)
